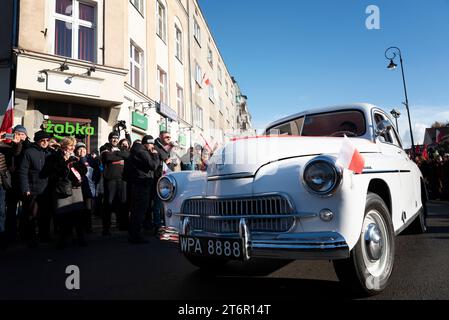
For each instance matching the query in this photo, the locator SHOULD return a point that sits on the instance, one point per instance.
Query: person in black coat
(13, 195)
(32, 184)
(66, 174)
(7, 152)
(140, 169)
(113, 159)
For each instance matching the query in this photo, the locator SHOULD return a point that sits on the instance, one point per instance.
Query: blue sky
(291, 55)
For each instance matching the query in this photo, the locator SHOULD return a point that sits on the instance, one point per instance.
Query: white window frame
(212, 93)
(140, 66)
(139, 6)
(76, 23)
(212, 128)
(198, 74)
(221, 105)
(162, 85)
(197, 31)
(161, 33)
(227, 87)
(180, 101)
(178, 43)
(198, 117)
(210, 57)
(220, 75)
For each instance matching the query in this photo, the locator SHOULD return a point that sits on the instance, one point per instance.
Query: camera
(120, 125)
(8, 136)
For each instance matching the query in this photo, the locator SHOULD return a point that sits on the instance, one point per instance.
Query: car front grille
(223, 215)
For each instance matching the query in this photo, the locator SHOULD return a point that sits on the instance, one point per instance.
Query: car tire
(207, 264)
(368, 269)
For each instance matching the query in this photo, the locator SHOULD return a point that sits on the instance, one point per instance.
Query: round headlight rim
(338, 171)
(172, 180)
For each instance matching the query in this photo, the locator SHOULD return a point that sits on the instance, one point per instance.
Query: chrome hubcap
(374, 242)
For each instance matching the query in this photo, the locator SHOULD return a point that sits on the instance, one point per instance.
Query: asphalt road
(110, 268)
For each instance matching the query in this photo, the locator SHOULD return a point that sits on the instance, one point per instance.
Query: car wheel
(368, 269)
(206, 264)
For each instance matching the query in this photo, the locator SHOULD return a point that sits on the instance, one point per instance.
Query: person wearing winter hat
(141, 165)
(113, 159)
(13, 195)
(33, 184)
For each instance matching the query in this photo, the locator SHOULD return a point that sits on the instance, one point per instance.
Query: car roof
(366, 107)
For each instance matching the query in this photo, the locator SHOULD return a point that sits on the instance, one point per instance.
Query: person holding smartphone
(7, 151)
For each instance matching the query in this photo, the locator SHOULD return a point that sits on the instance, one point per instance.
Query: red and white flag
(439, 135)
(8, 118)
(206, 80)
(165, 169)
(350, 158)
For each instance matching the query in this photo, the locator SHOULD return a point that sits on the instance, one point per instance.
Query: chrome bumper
(288, 246)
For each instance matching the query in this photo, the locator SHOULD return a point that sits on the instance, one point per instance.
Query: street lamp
(396, 114)
(391, 54)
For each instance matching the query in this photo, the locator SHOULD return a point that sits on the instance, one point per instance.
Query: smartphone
(8, 136)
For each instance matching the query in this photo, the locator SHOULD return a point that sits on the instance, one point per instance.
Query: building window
(221, 106)
(198, 117)
(210, 57)
(197, 31)
(180, 102)
(212, 128)
(220, 75)
(198, 74)
(136, 67)
(211, 92)
(226, 87)
(163, 85)
(138, 4)
(178, 39)
(75, 33)
(161, 21)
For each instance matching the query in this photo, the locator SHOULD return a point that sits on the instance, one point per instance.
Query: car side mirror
(383, 127)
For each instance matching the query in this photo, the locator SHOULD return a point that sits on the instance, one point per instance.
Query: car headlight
(166, 188)
(322, 176)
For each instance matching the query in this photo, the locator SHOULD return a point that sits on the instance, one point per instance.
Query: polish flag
(425, 154)
(206, 80)
(350, 158)
(439, 135)
(165, 169)
(8, 118)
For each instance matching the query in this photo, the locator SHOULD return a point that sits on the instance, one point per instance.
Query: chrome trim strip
(243, 175)
(254, 216)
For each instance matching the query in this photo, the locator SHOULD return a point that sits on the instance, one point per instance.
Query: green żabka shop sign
(67, 129)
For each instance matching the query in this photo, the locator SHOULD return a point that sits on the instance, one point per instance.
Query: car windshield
(332, 124)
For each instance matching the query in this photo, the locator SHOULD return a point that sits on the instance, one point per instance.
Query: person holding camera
(113, 159)
(7, 152)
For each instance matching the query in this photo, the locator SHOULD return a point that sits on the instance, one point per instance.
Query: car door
(399, 161)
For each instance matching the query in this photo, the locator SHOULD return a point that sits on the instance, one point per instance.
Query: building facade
(79, 66)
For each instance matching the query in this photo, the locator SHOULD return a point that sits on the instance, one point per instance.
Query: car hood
(245, 156)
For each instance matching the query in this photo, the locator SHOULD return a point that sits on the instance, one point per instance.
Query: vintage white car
(283, 196)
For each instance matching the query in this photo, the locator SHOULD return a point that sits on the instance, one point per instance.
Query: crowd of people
(435, 170)
(51, 190)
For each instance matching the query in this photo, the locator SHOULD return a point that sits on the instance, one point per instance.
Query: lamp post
(396, 114)
(391, 54)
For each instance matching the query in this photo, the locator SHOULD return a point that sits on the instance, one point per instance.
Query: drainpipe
(190, 77)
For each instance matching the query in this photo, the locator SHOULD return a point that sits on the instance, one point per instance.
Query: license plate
(209, 247)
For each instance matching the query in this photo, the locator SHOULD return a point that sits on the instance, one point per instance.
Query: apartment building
(80, 66)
